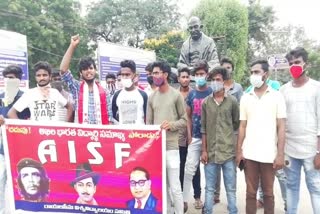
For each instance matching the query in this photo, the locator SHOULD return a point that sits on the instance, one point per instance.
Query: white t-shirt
(131, 106)
(303, 121)
(40, 109)
(261, 114)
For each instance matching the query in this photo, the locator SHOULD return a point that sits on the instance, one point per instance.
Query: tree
(48, 26)
(131, 21)
(167, 46)
(261, 20)
(227, 18)
(285, 38)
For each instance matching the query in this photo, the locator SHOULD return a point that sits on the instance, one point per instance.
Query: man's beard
(184, 86)
(34, 197)
(90, 81)
(44, 84)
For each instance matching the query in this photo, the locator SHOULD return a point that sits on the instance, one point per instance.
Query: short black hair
(85, 63)
(201, 65)
(264, 64)
(184, 69)
(164, 67)
(112, 76)
(218, 70)
(42, 65)
(55, 73)
(128, 64)
(227, 60)
(139, 168)
(13, 69)
(149, 67)
(296, 53)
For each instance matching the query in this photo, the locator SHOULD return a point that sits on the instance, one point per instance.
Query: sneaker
(216, 199)
(185, 207)
(198, 204)
(260, 204)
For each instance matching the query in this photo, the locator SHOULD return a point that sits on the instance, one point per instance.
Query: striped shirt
(74, 87)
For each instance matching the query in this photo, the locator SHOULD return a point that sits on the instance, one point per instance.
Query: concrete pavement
(221, 208)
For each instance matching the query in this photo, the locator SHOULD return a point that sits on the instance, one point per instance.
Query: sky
(304, 13)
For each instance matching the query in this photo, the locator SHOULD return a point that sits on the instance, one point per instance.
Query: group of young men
(214, 123)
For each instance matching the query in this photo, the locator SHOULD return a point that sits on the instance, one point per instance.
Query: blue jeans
(230, 182)
(293, 172)
(280, 174)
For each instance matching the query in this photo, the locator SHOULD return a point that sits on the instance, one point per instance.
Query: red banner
(72, 168)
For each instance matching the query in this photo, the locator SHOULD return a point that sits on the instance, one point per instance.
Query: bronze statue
(197, 46)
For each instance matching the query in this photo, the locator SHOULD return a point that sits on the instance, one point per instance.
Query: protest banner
(110, 55)
(74, 168)
(13, 50)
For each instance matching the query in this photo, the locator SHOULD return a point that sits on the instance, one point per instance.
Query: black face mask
(150, 80)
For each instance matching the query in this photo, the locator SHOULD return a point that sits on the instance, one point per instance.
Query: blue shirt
(194, 100)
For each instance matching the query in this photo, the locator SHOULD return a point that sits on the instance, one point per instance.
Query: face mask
(229, 74)
(11, 88)
(200, 81)
(150, 80)
(296, 71)
(158, 81)
(256, 80)
(127, 83)
(216, 86)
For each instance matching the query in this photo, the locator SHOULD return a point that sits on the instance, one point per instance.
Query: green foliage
(314, 63)
(227, 18)
(131, 21)
(167, 46)
(48, 26)
(285, 38)
(261, 20)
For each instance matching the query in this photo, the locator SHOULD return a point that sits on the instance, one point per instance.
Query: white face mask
(256, 80)
(216, 86)
(127, 83)
(11, 87)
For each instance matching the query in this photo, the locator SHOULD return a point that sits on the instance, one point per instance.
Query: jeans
(3, 180)
(192, 163)
(173, 184)
(282, 179)
(293, 172)
(196, 178)
(218, 185)
(230, 182)
(254, 172)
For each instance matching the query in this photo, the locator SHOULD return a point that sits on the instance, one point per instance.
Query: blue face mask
(200, 81)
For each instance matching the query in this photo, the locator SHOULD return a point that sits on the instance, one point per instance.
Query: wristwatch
(318, 152)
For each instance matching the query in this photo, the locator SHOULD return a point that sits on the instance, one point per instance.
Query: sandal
(198, 204)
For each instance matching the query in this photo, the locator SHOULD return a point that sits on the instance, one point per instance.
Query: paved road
(221, 208)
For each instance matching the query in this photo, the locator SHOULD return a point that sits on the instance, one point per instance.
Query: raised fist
(75, 40)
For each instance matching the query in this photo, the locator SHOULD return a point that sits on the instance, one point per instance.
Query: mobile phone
(241, 165)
